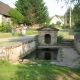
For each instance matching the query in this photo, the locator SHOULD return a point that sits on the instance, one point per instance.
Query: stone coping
(15, 44)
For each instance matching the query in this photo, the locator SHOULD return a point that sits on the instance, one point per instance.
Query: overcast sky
(53, 7)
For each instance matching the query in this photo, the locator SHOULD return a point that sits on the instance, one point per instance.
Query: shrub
(8, 27)
(77, 24)
(76, 29)
(64, 27)
(3, 27)
(59, 38)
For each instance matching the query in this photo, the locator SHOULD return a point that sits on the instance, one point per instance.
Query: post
(70, 14)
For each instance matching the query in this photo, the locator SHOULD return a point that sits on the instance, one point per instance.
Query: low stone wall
(14, 51)
(77, 42)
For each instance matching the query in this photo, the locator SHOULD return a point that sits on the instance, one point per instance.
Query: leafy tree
(34, 11)
(3, 27)
(16, 16)
(76, 15)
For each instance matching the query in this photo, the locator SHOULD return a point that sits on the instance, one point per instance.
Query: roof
(4, 8)
(47, 28)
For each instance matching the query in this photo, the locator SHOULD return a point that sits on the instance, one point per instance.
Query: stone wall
(41, 36)
(77, 42)
(16, 50)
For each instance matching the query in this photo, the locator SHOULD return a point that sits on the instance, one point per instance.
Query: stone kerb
(13, 51)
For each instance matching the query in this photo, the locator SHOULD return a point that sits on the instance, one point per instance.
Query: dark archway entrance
(47, 56)
(47, 39)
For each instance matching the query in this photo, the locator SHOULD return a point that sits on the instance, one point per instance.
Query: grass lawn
(66, 33)
(31, 71)
(9, 35)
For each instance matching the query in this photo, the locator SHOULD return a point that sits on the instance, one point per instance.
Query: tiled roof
(4, 8)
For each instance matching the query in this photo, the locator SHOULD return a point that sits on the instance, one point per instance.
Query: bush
(59, 38)
(64, 27)
(8, 27)
(77, 24)
(3, 27)
(76, 29)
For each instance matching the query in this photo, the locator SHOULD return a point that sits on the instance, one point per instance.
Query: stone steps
(66, 42)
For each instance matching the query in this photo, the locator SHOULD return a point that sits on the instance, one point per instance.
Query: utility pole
(70, 13)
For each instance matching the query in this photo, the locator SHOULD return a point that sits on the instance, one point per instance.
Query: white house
(55, 19)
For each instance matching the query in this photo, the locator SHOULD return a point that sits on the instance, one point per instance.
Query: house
(4, 16)
(56, 19)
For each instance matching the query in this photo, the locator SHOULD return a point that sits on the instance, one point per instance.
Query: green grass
(31, 71)
(31, 31)
(66, 33)
(9, 35)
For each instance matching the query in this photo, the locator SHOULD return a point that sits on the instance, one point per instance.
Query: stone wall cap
(47, 28)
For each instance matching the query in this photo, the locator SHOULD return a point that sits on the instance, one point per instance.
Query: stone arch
(47, 56)
(47, 39)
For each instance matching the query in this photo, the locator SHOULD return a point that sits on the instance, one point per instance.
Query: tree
(34, 11)
(16, 16)
(76, 15)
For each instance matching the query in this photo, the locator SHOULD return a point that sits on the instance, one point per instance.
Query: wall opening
(47, 39)
(47, 56)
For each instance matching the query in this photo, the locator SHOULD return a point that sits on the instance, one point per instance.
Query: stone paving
(70, 58)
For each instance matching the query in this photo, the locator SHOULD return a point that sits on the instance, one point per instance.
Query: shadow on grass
(43, 70)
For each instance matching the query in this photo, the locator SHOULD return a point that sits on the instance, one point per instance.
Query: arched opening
(47, 56)
(47, 39)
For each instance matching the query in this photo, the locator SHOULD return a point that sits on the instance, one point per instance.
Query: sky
(54, 8)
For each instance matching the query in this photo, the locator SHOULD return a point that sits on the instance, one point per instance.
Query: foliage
(64, 27)
(3, 27)
(48, 21)
(59, 38)
(16, 16)
(58, 23)
(8, 27)
(76, 15)
(76, 29)
(34, 11)
(72, 1)
(31, 31)
(36, 38)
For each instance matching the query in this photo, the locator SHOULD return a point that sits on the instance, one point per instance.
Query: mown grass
(66, 33)
(31, 71)
(9, 35)
(31, 32)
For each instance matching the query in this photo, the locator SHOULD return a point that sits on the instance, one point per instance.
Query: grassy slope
(31, 71)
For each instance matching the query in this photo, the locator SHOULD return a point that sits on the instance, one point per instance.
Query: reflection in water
(43, 54)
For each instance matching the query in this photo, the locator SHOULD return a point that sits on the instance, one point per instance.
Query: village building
(4, 16)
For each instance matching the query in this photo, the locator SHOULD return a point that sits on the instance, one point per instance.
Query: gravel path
(22, 38)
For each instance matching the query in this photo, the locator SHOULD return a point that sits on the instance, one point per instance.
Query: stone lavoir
(47, 39)
(46, 48)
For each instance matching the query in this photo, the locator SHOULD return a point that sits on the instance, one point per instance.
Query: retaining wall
(14, 51)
